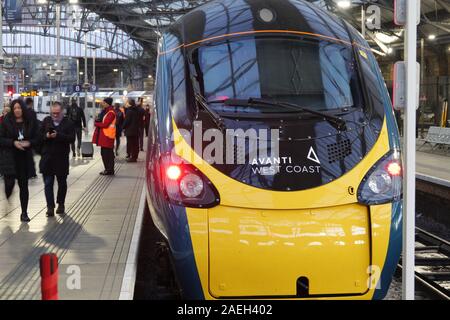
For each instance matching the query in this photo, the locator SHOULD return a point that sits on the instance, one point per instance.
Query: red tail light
(173, 172)
(185, 185)
(394, 169)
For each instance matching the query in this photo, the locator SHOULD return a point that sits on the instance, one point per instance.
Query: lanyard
(21, 137)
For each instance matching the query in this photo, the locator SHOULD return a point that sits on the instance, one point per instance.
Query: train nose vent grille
(338, 151)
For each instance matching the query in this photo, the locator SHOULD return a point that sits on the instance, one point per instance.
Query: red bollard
(49, 276)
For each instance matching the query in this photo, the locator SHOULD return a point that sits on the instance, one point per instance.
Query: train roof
(223, 17)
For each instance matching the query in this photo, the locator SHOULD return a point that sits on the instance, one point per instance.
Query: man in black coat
(132, 129)
(140, 107)
(30, 108)
(57, 134)
(78, 118)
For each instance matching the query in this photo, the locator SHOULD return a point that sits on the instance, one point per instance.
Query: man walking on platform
(120, 118)
(131, 127)
(30, 108)
(56, 136)
(105, 135)
(140, 107)
(147, 119)
(76, 115)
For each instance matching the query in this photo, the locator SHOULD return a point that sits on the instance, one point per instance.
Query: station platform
(433, 165)
(94, 241)
(97, 240)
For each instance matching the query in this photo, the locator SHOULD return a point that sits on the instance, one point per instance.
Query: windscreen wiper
(339, 123)
(214, 115)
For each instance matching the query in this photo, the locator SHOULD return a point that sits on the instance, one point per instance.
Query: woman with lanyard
(18, 134)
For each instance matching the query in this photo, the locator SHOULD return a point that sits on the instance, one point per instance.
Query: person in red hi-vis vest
(105, 135)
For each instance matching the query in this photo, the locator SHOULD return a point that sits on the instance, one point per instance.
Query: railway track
(432, 261)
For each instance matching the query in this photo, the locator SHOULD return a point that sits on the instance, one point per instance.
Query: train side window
(372, 84)
(370, 75)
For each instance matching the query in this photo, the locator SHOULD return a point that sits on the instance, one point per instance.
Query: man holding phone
(57, 134)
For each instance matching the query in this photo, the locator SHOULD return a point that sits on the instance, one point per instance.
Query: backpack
(74, 115)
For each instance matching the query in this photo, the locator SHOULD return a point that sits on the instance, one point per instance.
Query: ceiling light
(345, 4)
(386, 38)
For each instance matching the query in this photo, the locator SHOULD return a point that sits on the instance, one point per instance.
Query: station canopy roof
(131, 28)
(144, 20)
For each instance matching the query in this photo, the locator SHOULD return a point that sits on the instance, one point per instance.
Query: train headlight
(383, 183)
(185, 185)
(380, 182)
(191, 185)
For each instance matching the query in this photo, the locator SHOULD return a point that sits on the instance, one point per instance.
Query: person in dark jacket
(105, 135)
(18, 134)
(120, 118)
(30, 108)
(76, 115)
(147, 119)
(141, 109)
(131, 126)
(6, 110)
(29, 102)
(56, 135)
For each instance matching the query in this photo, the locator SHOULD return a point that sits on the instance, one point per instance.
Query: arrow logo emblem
(312, 155)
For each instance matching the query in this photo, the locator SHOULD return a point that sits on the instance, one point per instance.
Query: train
(273, 166)
(42, 103)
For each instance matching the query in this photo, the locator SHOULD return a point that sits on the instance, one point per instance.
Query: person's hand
(18, 145)
(25, 144)
(51, 135)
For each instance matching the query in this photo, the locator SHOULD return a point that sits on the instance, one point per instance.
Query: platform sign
(399, 86)
(13, 10)
(400, 10)
(94, 88)
(77, 88)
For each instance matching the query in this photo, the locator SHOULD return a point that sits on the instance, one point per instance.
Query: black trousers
(108, 159)
(23, 186)
(141, 138)
(118, 136)
(49, 182)
(133, 147)
(78, 136)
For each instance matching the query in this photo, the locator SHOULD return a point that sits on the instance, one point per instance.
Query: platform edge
(129, 277)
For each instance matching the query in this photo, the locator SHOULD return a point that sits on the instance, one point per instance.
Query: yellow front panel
(237, 194)
(264, 252)
(258, 242)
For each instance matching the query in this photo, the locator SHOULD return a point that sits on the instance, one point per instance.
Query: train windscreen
(316, 74)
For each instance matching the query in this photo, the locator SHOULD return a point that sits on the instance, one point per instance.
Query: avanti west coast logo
(272, 166)
(258, 148)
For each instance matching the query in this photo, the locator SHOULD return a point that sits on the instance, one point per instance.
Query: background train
(42, 104)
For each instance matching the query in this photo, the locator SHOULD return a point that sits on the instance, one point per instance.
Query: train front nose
(289, 253)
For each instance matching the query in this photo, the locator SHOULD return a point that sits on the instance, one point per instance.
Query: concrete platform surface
(92, 241)
(433, 165)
